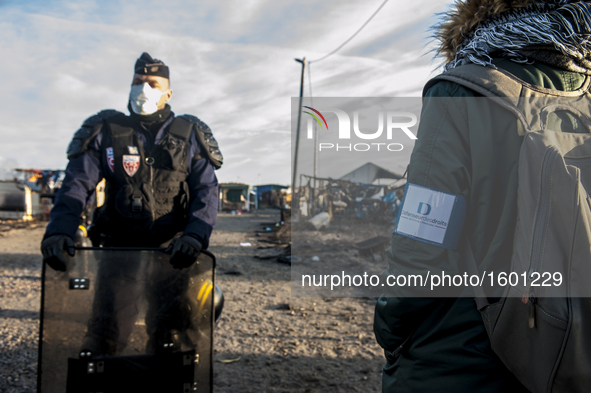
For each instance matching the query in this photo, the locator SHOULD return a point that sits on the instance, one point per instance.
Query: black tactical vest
(146, 195)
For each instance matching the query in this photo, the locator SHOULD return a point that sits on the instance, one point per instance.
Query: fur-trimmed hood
(465, 16)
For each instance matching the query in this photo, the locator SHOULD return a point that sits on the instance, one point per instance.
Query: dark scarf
(555, 32)
(152, 122)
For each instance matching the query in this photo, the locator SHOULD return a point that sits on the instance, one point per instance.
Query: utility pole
(312, 203)
(295, 200)
(312, 207)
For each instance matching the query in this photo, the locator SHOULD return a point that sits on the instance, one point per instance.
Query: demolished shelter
(357, 194)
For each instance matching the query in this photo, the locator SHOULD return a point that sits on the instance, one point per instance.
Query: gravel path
(20, 291)
(266, 341)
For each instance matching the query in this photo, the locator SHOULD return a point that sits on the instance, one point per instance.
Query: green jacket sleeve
(440, 160)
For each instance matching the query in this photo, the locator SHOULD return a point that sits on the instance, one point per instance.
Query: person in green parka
(440, 344)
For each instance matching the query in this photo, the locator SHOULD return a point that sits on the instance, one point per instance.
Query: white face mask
(144, 99)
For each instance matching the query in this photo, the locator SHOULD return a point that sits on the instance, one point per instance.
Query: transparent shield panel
(122, 320)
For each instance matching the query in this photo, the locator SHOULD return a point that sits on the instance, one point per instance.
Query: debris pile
(346, 199)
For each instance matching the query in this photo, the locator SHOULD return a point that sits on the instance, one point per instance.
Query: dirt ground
(265, 341)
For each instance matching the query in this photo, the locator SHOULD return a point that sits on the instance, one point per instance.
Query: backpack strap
(489, 82)
(181, 128)
(496, 82)
(209, 146)
(524, 100)
(120, 126)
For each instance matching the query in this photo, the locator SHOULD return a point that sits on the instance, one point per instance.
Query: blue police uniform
(86, 169)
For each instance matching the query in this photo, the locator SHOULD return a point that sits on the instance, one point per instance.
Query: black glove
(184, 251)
(53, 248)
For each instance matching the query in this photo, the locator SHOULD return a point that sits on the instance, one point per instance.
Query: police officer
(159, 171)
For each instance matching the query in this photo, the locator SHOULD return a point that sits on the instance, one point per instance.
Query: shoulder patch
(89, 130)
(431, 216)
(207, 141)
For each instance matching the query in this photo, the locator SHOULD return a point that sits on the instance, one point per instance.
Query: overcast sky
(232, 65)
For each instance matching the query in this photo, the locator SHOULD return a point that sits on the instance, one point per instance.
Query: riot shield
(124, 320)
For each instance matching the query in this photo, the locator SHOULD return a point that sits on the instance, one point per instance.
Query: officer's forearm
(200, 230)
(82, 175)
(203, 204)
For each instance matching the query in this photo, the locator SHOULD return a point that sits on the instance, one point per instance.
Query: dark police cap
(146, 65)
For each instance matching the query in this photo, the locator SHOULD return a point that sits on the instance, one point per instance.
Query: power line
(353, 36)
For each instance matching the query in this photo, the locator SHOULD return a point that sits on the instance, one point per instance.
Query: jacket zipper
(152, 185)
(542, 214)
(149, 160)
(540, 222)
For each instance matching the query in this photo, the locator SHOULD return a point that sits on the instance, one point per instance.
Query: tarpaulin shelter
(235, 196)
(368, 173)
(270, 195)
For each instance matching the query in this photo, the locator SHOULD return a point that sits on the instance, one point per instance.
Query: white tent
(368, 173)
